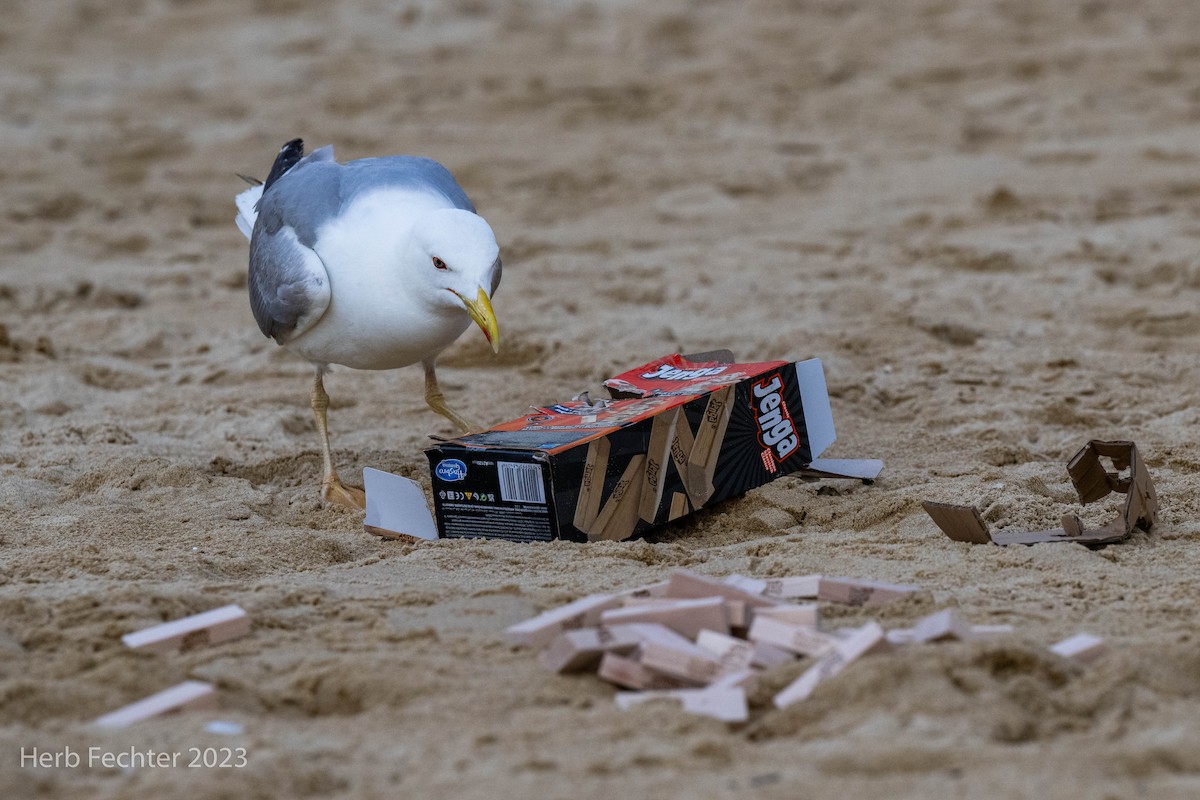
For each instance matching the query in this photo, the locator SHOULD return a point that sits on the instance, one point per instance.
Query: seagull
(377, 263)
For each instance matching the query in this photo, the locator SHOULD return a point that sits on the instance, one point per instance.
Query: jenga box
(682, 433)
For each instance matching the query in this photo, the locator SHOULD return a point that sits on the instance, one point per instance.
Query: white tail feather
(246, 214)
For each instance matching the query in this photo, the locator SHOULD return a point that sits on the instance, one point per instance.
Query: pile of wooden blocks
(703, 642)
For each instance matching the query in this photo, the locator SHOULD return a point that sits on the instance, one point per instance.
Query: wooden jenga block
(1082, 647)
(581, 649)
(633, 674)
(847, 651)
(657, 632)
(732, 652)
(689, 663)
(794, 587)
(619, 516)
(587, 507)
(982, 631)
(702, 464)
(679, 506)
(658, 454)
(898, 637)
(727, 705)
(739, 615)
(744, 679)
(793, 614)
(941, 625)
(211, 627)
(186, 696)
(748, 585)
(802, 639)
(685, 583)
(737, 654)
(687, 617)
(862, 593)
(542, 629)
(682, 443)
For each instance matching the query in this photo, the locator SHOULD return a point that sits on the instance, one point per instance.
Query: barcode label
(521, 483)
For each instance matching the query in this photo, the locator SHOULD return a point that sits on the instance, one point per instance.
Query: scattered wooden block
(796, 587)
(941, 625)
(1082, 647)
(687, 617)
(690, 663)
(847, 651)
(739, 615)
(744, 679)
(792, 613)
(542, 629)
(211, 627)
(727, 705)
(657, 632)
(632, 674)
(186, 696)
(802, 639)
(687, 584)
(582, 649)
(737, 654)
(861, 593)
(732, 652)
(981, 631)
(898, 637)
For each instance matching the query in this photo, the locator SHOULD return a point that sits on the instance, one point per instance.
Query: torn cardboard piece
(396, 507)
(682, 433)
(1092, 482)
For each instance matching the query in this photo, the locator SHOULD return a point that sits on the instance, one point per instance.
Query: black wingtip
(249, 179)
(289, 154)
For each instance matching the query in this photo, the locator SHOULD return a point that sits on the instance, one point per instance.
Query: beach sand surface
(983, 217)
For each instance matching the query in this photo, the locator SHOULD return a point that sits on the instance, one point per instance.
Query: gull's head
(460, 262)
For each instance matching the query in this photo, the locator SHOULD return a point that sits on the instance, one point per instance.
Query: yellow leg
(437, 401)
(332, 488)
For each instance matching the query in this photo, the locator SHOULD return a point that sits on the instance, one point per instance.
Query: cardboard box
(682, 433)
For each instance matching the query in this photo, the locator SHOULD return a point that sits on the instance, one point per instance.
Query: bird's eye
(437, 262)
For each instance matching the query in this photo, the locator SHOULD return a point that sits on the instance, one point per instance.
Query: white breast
(379, 317)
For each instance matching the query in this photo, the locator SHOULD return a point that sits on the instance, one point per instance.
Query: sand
(982, 216)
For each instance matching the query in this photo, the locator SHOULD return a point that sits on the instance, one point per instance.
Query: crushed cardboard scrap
(665, 649)
(1092, 482)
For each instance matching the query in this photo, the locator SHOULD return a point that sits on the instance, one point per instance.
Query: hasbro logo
(451, 469)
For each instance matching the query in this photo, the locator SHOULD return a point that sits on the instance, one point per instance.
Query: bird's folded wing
(289, 287)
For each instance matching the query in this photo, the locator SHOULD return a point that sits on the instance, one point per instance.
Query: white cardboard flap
(395, 503)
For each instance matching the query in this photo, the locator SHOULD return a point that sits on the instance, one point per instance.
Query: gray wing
(289, 287)
(403, 172)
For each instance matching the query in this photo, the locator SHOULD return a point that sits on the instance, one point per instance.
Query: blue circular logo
(451, 469)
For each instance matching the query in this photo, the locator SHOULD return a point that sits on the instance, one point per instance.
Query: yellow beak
(480, 310)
